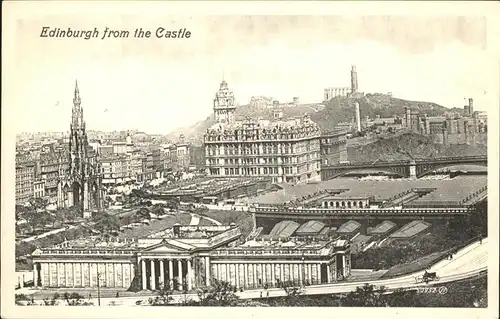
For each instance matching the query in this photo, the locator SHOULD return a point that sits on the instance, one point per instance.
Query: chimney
(466, 133)
(358, 117)
(471, 106)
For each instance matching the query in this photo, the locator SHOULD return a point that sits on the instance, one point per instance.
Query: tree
(291, 290)
(220, 293)
(164, 296)
(157, 209)
(73, 213)
(44, 218)
(107, 224)
(366, 296)
(173, 204)
(32, 218)
(143, 213)
(20, 211)
(38, 204)
(402, 298)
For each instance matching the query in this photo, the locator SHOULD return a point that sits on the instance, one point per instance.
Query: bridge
(359, 214)
(406, 168)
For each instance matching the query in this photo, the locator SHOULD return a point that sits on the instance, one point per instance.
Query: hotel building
(286, 151)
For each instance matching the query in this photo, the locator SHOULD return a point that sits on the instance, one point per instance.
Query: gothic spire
(76, 99)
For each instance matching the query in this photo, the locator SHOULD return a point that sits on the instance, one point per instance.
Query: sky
(158, 85)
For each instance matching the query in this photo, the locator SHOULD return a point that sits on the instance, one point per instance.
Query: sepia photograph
(300, 159)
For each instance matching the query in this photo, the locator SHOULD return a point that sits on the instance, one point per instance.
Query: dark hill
(406, 146)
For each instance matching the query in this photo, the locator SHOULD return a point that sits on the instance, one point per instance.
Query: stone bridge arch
(331, 173)
(425, 169)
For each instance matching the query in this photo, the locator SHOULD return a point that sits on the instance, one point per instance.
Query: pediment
(167, 247)
(163, 249)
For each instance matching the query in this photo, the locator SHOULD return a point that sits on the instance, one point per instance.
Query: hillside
(327, 115)
(402, 146)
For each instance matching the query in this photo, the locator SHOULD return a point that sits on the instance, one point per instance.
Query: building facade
(115, 169)
(39, 189)
(25, 177)
(333, 147)
(287, 151)
(332, 92)
(188, 257)
(53, 164)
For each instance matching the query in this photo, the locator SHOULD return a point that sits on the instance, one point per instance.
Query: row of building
(38, 175)
(264, 102)
(122, 162)
(44, 138)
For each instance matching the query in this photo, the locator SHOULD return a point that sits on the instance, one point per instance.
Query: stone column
(301, 281)
(237, 275)
(188, 277)
(207, 271)
(35, 275)
(65, 275)
(49, 283)
(343, 266)
(73, 265)
(43, 270)
(273, 274)
(318, 267)
(245, 275)
(309, 273)
(90, 274)
(262, 274)
(153, 275)
(115, 276)
(85, 196)
(124, 284)
(255, 280)
(179, 263)
(82, 276)
(328, 275)
(162, 274)
(282, 277)
(228, 274)
(143, 271)
(171, 274)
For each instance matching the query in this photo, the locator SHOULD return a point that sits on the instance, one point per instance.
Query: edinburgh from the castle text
(108, 33)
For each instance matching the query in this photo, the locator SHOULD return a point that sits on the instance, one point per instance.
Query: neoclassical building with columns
(189, 257)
